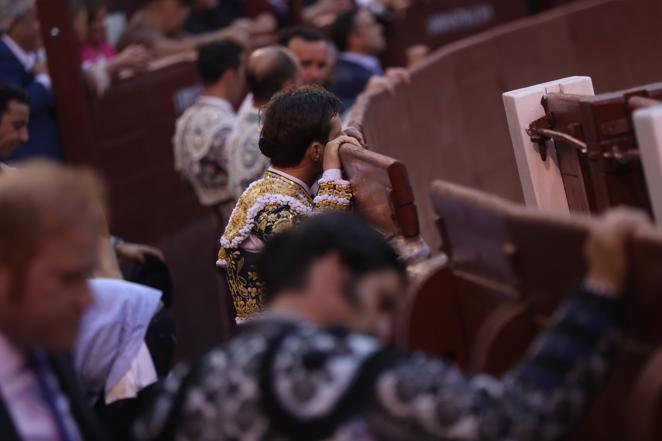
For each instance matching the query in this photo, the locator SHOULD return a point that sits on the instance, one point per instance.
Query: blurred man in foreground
(49, 245)
(292, 373)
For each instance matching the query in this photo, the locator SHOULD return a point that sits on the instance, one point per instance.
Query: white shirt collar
(291, 178)
(221, 103)
(27, 59)
(12, 359)
(368, 61)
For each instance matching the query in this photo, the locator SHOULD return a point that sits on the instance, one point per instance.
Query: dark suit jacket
(44, 137)
(88, 426)
(349, 80)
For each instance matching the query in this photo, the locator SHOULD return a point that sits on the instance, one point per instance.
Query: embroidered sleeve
(538, 400)
(333, 195)
(275, 219)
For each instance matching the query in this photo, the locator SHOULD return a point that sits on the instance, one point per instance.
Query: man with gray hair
(20, 41)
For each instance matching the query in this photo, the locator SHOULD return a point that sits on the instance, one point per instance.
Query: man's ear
(315, 152)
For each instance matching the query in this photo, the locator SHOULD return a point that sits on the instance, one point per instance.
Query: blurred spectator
(101, 63)
(313, 52)
(14, 118)
(95, 48)
(20, 66)
(49, 236)
(360, 38)
(159, 26)
(269, 70)
(211, 15)
(203, 130)
(321, 13)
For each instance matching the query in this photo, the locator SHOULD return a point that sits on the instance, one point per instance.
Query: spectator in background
(20, 67)
(313, 52)
(14, 119)
(212, 15)
(360, 38)
(94, 45)
(159, 24)
(101, 63)
(321, 13)
(269, 70)
(202, 132)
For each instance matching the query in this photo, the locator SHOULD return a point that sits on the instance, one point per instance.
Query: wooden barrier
(583, 151)
(381, 191)
(508, 280)
(449, 123)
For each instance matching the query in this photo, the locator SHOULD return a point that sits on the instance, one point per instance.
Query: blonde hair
(41, 200)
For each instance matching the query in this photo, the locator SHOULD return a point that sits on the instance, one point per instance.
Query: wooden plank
(382, 191)
(542, 183)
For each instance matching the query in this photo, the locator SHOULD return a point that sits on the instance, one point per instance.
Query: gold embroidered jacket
(266, 208)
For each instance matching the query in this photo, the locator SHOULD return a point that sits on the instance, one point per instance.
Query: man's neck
(299, 308)
(300, 172)
(216, 91)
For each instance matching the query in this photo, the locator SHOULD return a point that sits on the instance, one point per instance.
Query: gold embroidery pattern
(271, 184)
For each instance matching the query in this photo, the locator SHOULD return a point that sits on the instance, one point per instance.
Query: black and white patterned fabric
(285, 380)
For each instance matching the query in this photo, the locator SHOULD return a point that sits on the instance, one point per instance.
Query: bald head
(270, 70)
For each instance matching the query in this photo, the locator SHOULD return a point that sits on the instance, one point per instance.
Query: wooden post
(542, 184)
(71, 96)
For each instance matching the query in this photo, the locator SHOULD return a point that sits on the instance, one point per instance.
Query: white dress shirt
(28, 60)
(21, 397)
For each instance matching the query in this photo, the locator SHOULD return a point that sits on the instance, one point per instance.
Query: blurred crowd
(86, 333)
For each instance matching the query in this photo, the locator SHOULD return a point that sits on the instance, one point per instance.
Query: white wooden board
(648, 130)
(542, 184)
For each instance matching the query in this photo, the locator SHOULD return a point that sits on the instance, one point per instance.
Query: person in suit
(359, 38)
(312, 50)
(14, 117)
(19, 66)
(49, 239)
